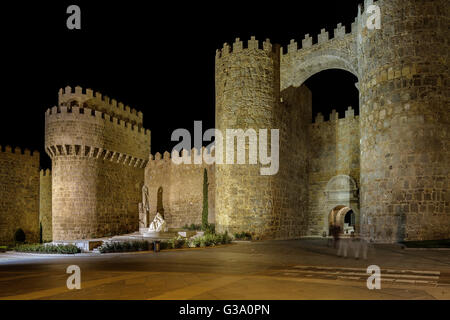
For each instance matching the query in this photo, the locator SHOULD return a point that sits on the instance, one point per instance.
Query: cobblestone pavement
(304, 269)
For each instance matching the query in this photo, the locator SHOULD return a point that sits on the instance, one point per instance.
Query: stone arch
(313, 65)
(341, 193)
(341, 187)
(337, 215)
(298, 66)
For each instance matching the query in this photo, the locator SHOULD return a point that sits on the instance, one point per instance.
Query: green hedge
(207, 240)
(208, 228)
(125, 246)
(49, 248)
(243, 236)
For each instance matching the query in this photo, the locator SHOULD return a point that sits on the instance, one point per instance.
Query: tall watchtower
(404, 120)
(99, 150)
(247, 93)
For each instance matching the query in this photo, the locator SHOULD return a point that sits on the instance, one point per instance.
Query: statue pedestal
(143, 230)
(151, 234)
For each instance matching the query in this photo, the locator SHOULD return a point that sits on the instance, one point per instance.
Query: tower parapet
(324, 37)
(78, 97)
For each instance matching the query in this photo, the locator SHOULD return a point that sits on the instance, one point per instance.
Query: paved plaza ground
(297, 269)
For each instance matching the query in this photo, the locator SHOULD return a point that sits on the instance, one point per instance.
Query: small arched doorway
(342, 199)
(344, 218)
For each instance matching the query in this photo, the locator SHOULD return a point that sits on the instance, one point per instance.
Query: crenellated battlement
(340, 32)
(334, 117)
(80, 97)
(64, 113)
(45, 173)
(192, 154)
(19, 151)
(239, 46)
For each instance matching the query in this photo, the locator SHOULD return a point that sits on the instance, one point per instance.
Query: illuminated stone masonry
(396, 151)
(388, 166)
(19, 194)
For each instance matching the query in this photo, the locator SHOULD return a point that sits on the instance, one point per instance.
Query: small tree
(40, 233)
(205, 201)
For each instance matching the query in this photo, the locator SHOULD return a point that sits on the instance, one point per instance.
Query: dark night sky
(156, 58)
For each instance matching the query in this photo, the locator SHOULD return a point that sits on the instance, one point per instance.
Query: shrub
(226, 238)
(176, 243)
(210, 228)
(243, 236)
(19, 236)
(49, 248)
(192, 243)
(125, 246)
(209, 239)
(193, 227)
(164, 245)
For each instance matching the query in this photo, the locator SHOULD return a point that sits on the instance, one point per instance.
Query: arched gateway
(343, 204)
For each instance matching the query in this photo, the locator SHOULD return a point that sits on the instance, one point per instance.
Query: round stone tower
(404, 120)
(99, 150)
(247, 93)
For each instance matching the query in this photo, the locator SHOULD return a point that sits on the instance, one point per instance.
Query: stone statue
(158, 224)
(144, 209)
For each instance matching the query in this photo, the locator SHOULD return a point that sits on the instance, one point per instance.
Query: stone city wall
(334, 150)
(19, 194)
(290, 187)
(177, 190)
